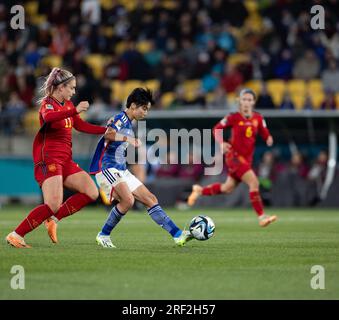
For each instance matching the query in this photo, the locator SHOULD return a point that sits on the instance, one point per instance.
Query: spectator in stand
(218, 99)
(232, 78)
(307, 67)
(12, 115)
(330, 77)
(266, 174)
(329, 102)
(308, 104)
(284, 65)
(297, 165)
(287, 103)
(316, 176)
(168, 80)
(264, 100)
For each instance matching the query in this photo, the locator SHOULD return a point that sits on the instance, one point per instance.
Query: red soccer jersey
(244, 133)
(53, 142)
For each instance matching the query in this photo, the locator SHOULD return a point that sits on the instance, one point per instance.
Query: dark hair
(247, 90)
(140, 96)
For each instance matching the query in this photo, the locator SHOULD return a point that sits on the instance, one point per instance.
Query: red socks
(37, 216)
(212, 189)
(72, 205)
(257, 203)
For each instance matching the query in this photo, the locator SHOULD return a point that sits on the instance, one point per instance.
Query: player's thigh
(83, 183)
(250, 178)
(145, 196)
(117, 183)
(229, 185)
(125, 195)
(52, 191)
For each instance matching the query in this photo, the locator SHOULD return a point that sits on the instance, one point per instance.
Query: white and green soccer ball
(202, 227)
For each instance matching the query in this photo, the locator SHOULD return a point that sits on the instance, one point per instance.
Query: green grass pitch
(241, 261)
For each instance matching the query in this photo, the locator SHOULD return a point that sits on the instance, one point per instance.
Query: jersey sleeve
(263, 130)
(224, 123)
(48, 113)
(87, 127)
(116, 123)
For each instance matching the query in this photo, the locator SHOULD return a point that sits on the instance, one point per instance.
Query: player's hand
(135, 142)
(225, 147)
(82, 106)
(269, 141)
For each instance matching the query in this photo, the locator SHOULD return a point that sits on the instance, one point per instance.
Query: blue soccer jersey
(112, 154)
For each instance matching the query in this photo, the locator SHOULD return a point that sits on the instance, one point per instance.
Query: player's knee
(54, 205)
(226, 189)
(254, 185)
(93, 193)
(152, 200)
(127, 202)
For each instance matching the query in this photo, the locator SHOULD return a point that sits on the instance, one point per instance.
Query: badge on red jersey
(49, 107)
(52, 167)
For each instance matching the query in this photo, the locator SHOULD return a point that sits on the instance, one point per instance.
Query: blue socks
(164, 221)
(156, 213)
(112, 220)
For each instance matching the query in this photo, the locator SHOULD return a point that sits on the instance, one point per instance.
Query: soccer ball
(202, 227)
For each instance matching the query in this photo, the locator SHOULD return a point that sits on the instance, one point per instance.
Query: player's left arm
(87, 127)
(264, 132)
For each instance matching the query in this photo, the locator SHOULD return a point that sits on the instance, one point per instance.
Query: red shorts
(43, 171)
(237, 166)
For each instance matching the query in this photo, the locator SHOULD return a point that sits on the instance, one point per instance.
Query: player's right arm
(48, 113)
(112, 134)
(218, 129)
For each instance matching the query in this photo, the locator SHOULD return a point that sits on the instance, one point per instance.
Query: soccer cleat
(183, 238)
(195, 194)
(265, 220)
(51, 227)
(104, 241)
(16, 241)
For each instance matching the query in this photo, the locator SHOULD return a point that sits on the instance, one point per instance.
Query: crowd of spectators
(191, 39)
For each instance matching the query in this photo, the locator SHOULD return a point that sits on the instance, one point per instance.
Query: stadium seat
(237, 58)
(255, 85)
(298, 100)
(231, 98)
(166, 99)
(52, 61)
(117, 87)
(97, 63)
(106, 4)
(130, 85)
(314, 86)
(337, 100)
(317, 98)
(31, 7)
(154, 85)
(276, 88)
(143, 46)
(191, 88)
(296, 86)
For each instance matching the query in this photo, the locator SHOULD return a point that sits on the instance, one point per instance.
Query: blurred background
(195, 55)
